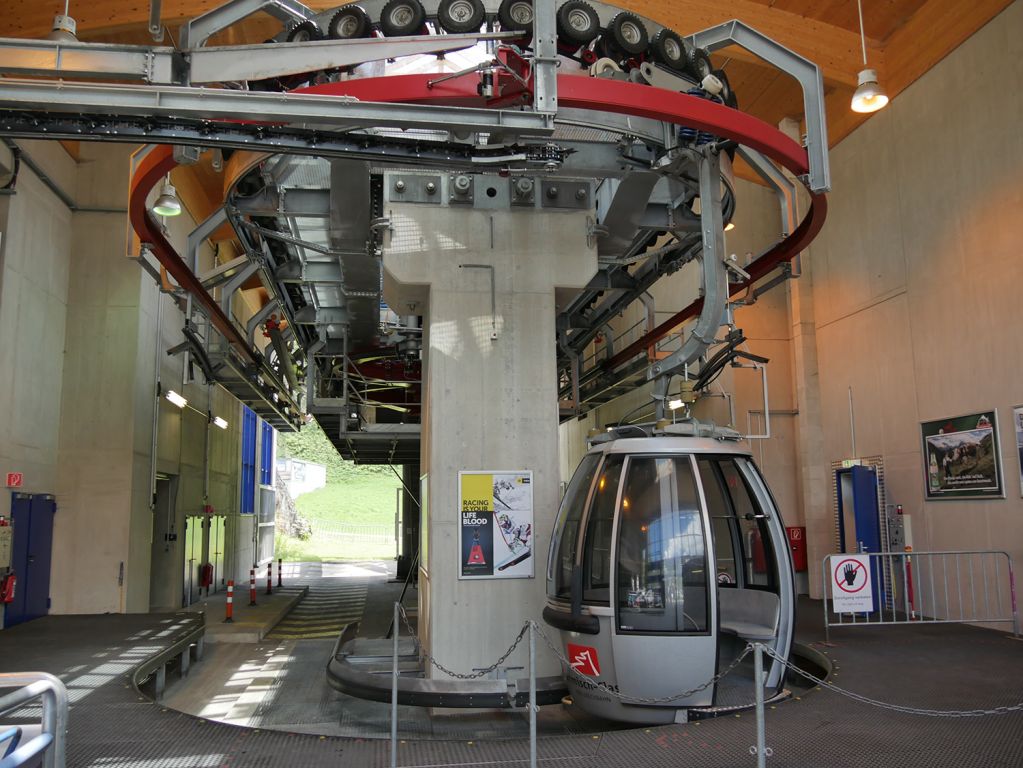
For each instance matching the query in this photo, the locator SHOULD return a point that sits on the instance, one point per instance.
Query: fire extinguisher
(7, 586)
(206, 576)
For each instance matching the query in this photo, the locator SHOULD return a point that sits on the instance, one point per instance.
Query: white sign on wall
(851, 590)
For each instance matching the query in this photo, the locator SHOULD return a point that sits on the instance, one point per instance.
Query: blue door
(857, 488)
(32, 518)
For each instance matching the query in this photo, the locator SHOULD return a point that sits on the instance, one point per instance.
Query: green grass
(365, 499)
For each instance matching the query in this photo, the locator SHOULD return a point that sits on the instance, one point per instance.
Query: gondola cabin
(669, 555)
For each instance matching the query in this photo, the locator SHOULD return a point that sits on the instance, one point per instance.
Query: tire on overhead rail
(401, 18)
(461, 16)
(669, 49)
(516, 15)
(727, 94)
(348, 23)
(628, 33)
(304, 32)
(698, 64)
(578, 23)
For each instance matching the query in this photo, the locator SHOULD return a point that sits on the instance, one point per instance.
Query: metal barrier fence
(381, 533)
(952, 587)
(50, 743)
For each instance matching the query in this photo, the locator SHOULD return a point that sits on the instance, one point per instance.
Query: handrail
(52, 742)
(150, 665)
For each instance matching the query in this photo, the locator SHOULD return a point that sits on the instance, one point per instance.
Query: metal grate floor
(948, 667)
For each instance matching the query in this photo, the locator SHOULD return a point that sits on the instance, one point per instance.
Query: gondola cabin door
(665, 624)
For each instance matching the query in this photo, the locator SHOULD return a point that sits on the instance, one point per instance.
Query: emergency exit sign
(14, 479)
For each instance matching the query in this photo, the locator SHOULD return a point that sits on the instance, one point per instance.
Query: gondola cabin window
(567, 527)
(662, 556)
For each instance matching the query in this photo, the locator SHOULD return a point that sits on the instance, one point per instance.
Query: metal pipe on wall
(156, 401)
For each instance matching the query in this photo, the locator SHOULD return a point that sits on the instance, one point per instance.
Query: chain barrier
(459, 675)
(952, 713)
(567, 665)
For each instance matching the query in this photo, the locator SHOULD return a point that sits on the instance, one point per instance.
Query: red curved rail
(151, 171)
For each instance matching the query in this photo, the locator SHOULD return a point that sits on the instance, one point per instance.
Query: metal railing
(945, 587)
(51, 742)
(382, 533)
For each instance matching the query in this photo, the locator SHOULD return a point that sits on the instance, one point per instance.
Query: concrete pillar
(490, 393)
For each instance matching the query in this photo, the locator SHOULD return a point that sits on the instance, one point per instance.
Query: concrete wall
(34, 269)
(916, 283)
(78, 326)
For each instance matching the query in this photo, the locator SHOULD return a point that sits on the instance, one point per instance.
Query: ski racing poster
(495, 525)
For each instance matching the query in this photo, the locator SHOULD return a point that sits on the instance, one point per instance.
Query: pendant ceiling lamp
(64, 27)
(869, 95)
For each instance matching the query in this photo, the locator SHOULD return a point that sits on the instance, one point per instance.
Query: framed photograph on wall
(962, 458)
(1017, 422)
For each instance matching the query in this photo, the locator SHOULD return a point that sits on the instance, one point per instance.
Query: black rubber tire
(401, 18)
(727, 94)
(698, 64)
(569, 17)
(512, 15)
(471, 15)
(349, 23)
(628, 33)
(304, 32)
(669, 49)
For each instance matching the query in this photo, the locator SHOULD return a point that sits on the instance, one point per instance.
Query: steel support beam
(545, 59)
(49, 58)
(326, 111)
(195, 32)
(806, 73)
(715, 279)
(265, 60)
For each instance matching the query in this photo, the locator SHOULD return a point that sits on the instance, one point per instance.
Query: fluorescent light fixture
(167, 204)
(674, 404)
(222, 423)
(175, 398)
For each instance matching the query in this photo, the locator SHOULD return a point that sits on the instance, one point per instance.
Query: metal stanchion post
(758, 683)
(230, 603)
(280, 572)
(270, 577)
(394, 693)
(532, 694)
(252, 586)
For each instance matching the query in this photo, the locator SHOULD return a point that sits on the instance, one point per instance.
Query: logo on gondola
(584, 660)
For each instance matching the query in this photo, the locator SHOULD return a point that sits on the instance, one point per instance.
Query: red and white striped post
(230, 603)
(280, 572)
(270, 577)
(252, 586)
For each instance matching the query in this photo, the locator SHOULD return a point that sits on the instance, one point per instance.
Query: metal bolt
(399, 186)
(580, 194)
(524, 187)
(552, 192)
(431, 188)
(462, 184)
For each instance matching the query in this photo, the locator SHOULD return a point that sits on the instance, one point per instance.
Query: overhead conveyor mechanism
(545, 106)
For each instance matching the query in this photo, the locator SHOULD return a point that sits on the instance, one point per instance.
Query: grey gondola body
(649, 597)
